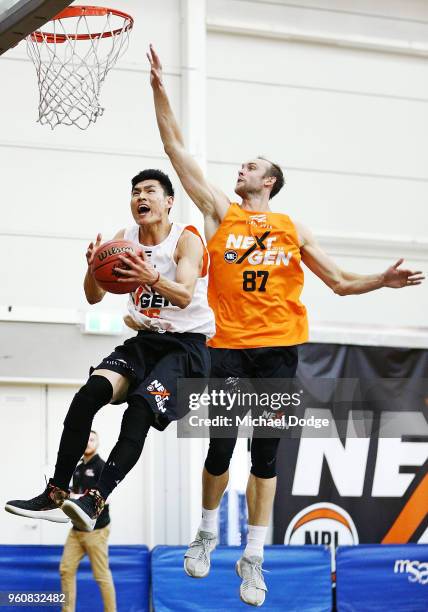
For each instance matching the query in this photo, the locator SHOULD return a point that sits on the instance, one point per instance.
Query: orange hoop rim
(83, 11)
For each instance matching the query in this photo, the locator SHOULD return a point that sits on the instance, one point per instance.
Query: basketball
(106, 262)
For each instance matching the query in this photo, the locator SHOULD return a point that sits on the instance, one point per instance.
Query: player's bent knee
(119, 383)
(264, 470)
(219, 455)
(95, 394)
(216, 468)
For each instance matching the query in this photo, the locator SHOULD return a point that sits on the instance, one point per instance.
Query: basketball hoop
(71, 67)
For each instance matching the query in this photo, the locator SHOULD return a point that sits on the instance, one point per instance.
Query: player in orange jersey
(255, 282)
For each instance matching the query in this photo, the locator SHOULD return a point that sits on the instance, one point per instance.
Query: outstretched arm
(348, 283)
(211, 201)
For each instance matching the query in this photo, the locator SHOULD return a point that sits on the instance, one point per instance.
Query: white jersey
(150, 310)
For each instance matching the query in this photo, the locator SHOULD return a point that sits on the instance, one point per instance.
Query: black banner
(367, 488)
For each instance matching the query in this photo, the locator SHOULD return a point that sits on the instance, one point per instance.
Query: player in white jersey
(171, 312)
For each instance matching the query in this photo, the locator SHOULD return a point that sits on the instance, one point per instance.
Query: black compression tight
(95, 394)
(136, 422)
(263, 456)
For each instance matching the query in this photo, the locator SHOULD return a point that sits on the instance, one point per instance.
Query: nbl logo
(323, 523)
(230, 256)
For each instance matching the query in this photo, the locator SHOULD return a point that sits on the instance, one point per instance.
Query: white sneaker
(197, 560)
(253, 588)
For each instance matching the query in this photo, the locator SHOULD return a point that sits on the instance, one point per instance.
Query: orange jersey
(255, 281)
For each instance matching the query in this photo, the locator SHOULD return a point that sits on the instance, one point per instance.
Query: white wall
(347, 119)
(149, 507)
(349, 124)
(59, 188)
(334, 90)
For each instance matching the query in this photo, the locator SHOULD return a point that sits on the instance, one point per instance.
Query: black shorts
(263, 362)
(154, 362)
(270, 370)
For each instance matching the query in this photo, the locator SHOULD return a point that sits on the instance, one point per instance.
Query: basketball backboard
(18, 18)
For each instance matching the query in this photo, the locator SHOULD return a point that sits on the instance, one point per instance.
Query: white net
(71, 67)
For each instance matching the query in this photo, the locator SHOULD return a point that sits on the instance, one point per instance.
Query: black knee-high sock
(136, 422)
(97, 392)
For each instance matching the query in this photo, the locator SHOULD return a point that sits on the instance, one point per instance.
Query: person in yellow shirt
(255, 282)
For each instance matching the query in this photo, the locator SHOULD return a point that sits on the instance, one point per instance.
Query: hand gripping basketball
(138, 269)
(106, 262)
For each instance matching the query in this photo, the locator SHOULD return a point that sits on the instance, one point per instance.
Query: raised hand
(396, 277)
(93, 246)
(155, 68)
